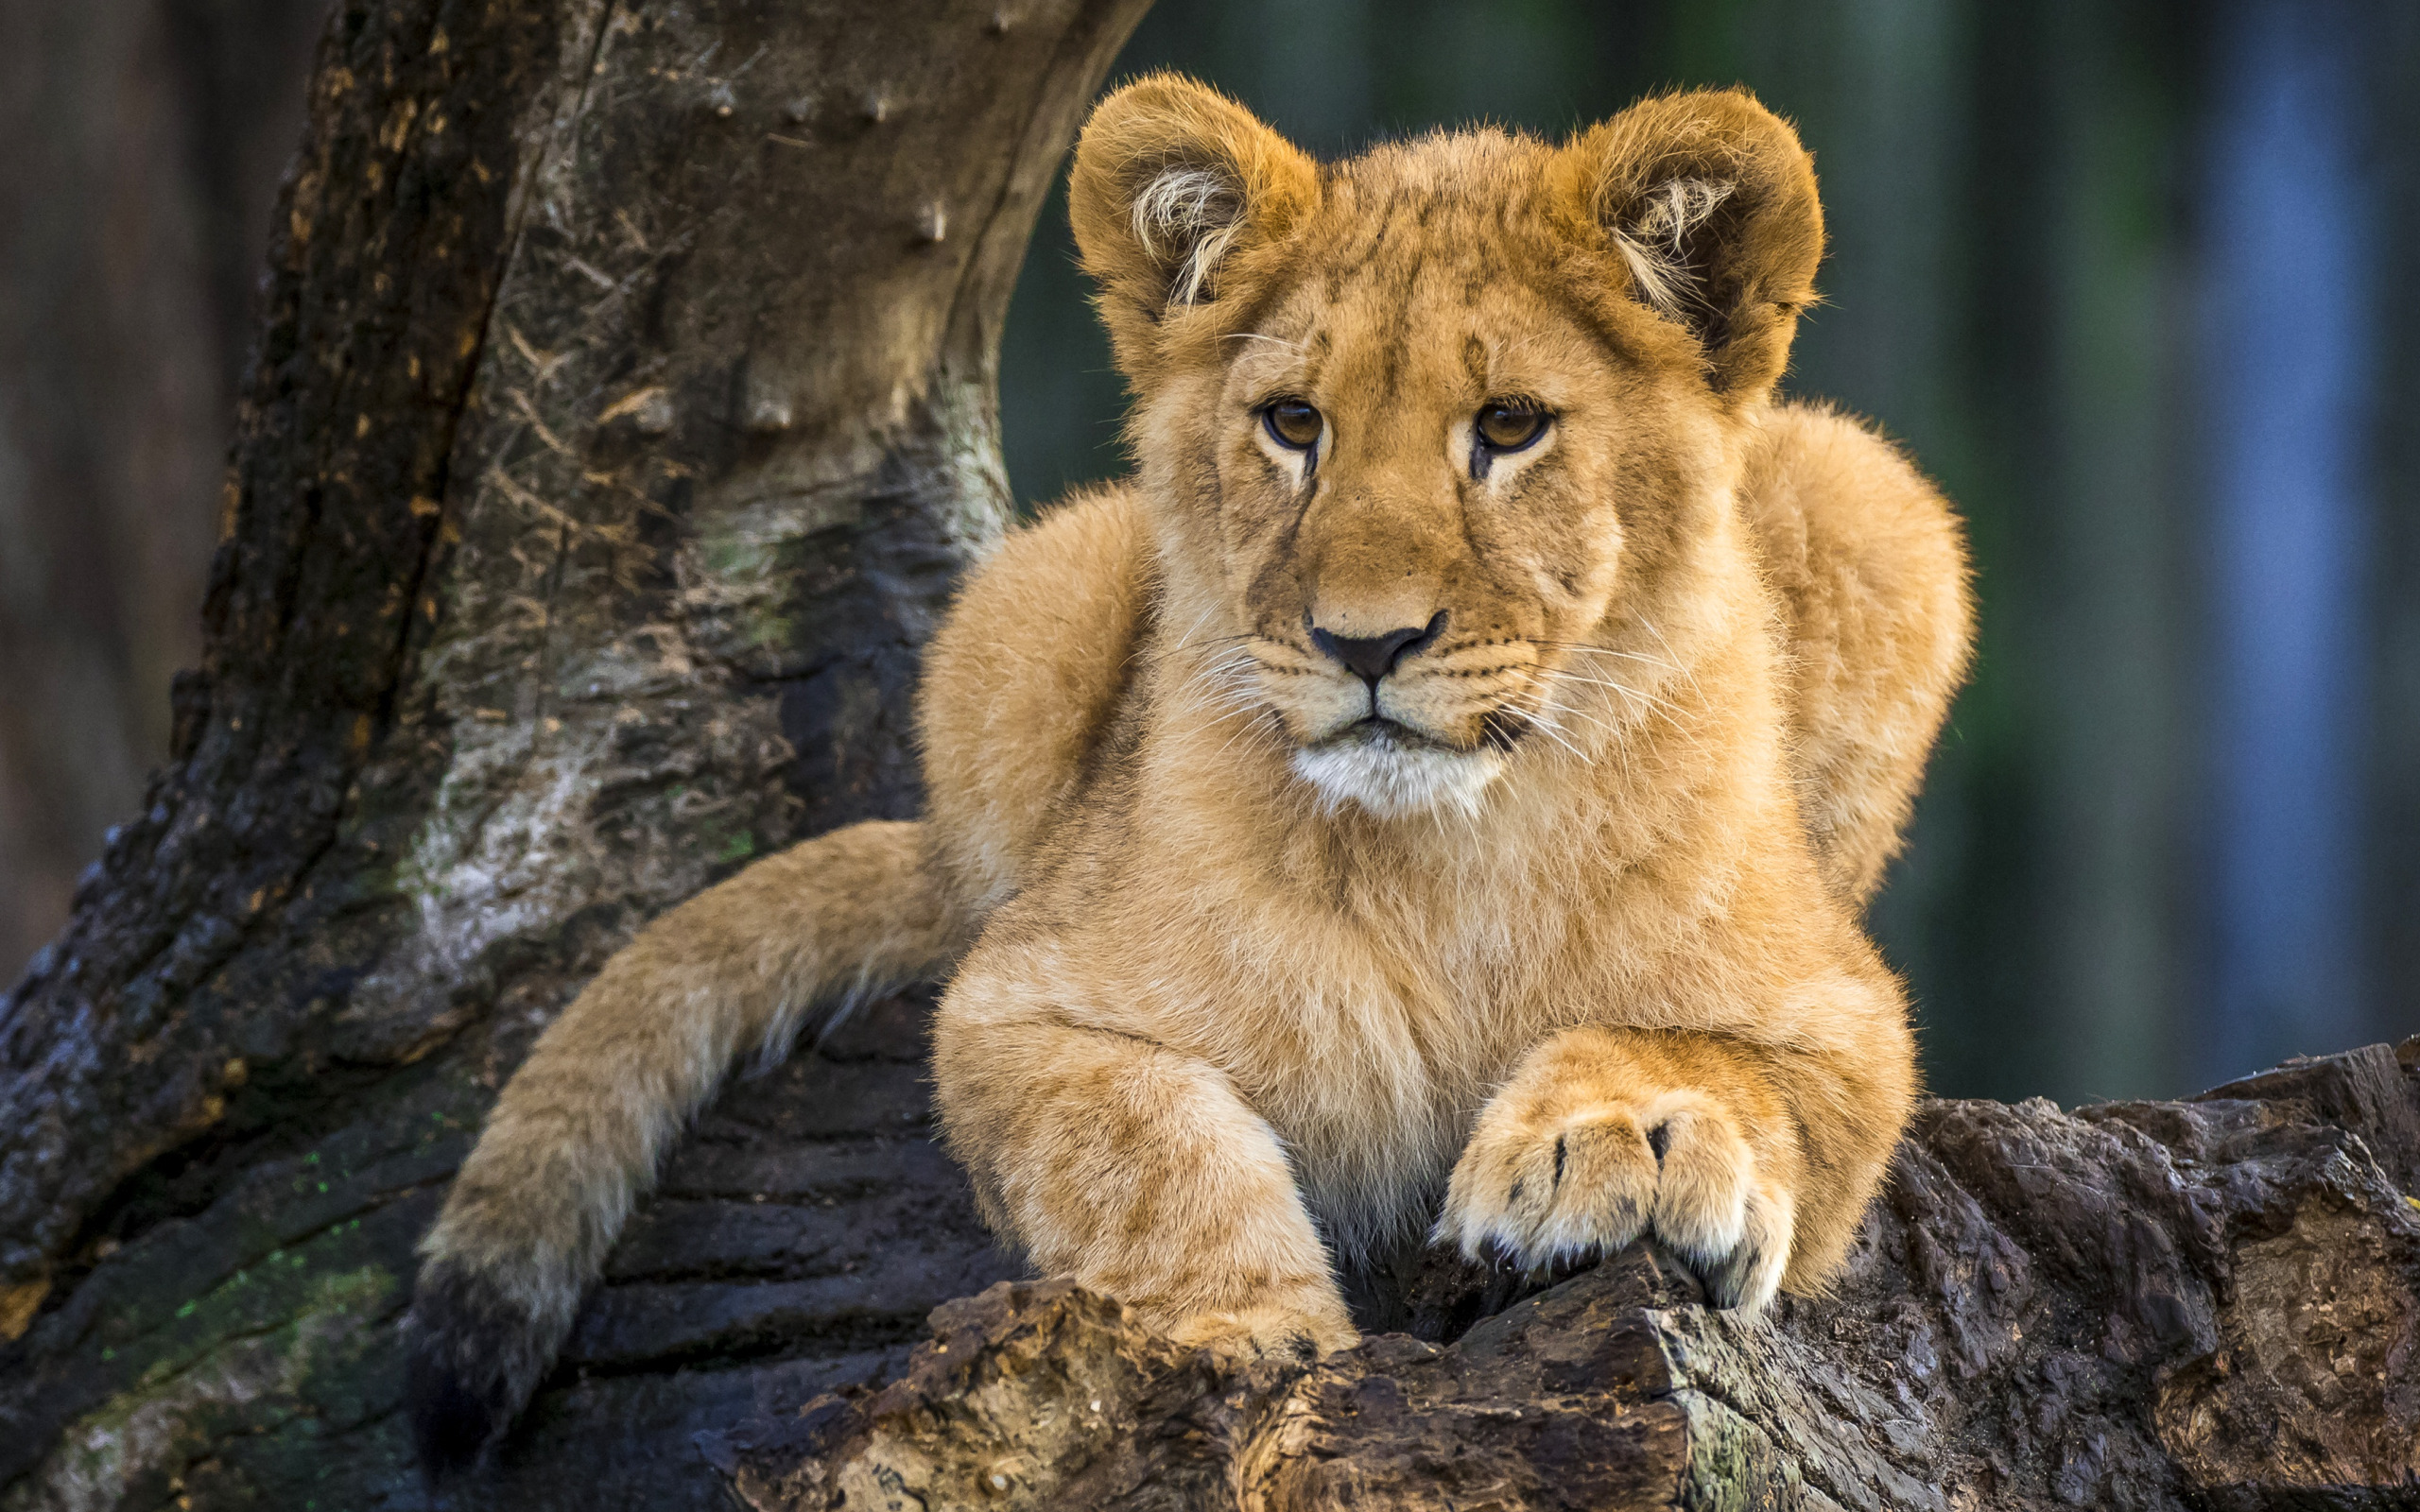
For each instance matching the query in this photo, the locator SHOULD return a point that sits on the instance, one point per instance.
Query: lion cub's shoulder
(1023, 676)
(1870, 566)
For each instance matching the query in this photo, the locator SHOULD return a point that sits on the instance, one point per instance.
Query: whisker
(1255, 336)
(1614, 741)
(1584, 650)
(1628, 656)
(1183, 641)
(1204, 647)
(1545, 726)
(1685, 672)
(1611, 736)
(1645, 698)
(1577, 675)
(1241, 730)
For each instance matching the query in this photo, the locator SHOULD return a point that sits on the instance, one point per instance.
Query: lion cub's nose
(1372, 657)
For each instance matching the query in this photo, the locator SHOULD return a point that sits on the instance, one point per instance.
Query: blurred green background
(2125, 276)
(2118, 275)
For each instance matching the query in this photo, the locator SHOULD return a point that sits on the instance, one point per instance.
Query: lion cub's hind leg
(1021, 681)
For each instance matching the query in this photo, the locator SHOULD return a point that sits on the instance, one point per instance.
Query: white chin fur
(1392, 779)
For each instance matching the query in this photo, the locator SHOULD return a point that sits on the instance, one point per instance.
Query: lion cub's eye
(1293, 423)
(1510, 427)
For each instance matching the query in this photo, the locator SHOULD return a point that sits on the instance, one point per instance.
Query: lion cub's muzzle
(1401, 743)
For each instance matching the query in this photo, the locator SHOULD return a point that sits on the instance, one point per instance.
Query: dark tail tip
(453, 1420)
(472, 1360)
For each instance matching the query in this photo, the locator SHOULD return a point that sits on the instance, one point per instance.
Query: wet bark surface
(622, 415)
(2210, 1304)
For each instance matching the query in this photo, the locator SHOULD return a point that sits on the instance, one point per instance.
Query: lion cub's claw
(1584, 1182)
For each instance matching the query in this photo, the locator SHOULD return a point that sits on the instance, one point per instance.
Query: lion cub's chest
(1369, 1049)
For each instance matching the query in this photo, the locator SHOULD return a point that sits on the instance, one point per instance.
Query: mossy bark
(622, 416)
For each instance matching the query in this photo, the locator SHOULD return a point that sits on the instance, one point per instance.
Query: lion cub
(1434, 796)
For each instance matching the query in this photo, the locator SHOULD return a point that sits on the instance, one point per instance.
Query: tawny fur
(1566, 952)
(582, 1126)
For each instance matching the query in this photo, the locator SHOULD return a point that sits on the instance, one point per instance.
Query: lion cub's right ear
(1173, 185)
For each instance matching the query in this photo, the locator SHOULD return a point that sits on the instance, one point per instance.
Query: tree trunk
(622, 414)
(2212, 1304)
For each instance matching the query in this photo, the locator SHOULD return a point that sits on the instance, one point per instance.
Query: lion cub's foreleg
(1137, 1170)
(1707, 1142)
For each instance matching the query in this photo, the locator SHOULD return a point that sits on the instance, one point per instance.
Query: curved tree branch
(622, 413)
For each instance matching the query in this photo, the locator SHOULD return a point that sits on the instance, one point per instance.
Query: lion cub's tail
(575, 1136)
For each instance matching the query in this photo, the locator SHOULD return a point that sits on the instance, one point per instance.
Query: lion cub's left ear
(1173, 185)
(1709, 202)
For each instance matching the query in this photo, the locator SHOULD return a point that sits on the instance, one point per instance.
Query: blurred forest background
(2127, 277)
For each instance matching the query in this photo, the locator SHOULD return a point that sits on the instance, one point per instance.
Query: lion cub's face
(1420, 479)
(1414, 426)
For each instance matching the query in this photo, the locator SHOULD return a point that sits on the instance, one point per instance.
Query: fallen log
(2207, 1304)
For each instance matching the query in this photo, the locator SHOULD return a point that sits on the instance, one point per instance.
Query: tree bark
(621, 415)
(2212, 1304)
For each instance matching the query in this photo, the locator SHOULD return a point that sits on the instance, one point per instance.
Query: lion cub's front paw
(1562, 1185)
(1292, 1329)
